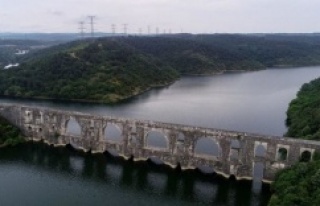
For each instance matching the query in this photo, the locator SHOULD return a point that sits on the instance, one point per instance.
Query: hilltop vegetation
(300, 185)
(111, 69)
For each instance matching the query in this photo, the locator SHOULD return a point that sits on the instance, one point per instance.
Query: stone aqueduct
(237, 152)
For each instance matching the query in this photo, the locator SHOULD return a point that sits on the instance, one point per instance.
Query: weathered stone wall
(237, 155)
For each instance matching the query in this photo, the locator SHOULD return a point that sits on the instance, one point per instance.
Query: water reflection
(250, 102)
(141, 181)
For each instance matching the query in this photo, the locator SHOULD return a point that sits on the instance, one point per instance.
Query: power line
(92, 25)
(81, 28)
(125, 29)
(113, 29)
(149, 29)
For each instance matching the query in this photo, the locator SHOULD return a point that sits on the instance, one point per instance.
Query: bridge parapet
(226, 152)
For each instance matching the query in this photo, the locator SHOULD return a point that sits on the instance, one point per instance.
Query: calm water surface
(36, 174)
(250, 102)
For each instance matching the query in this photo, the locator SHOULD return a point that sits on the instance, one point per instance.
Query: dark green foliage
(112, 69)
(299, 185)
(193, 57)
(9, 134)
(267, 50)
(101, 71)
(303, 115)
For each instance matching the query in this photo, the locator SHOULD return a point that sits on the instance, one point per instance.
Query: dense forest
(300, 184)
(303, 115)
(111, 69)
(268, 50)
(9, 134)
(101, 71)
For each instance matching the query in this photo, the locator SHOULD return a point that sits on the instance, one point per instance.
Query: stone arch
(112, 152)
(74, 143)
(205, 169)
(235, 144)
(28, 116)
(133, 140)
(73, 127)
(282, 154)
(305, 156)
(156, 139)
(181, 137)
(156, 160)
(113, 132)
(207, 146)
(260, 150)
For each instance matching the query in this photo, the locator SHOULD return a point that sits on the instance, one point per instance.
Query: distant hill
(270, 50)
(111, 69)
(9, 48)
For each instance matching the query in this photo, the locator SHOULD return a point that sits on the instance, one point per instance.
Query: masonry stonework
(237, 154)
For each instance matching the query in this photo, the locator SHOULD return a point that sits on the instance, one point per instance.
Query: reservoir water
(36, 174)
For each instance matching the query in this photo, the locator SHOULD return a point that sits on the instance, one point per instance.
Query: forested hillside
(269, 50)
(115, 68)
(303, 115)
(101, 71)
(300, 185)
(193, 57)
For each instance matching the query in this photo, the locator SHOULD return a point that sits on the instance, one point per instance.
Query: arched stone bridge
(226, 152)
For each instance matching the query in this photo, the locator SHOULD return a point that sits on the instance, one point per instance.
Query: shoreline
(140, 92)
(124, 98)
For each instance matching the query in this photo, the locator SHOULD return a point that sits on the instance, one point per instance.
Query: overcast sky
(195, 16)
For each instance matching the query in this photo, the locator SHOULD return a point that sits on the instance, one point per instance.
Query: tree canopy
(9, 134)
(112, 69)
(303, 115)
(300, 184)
